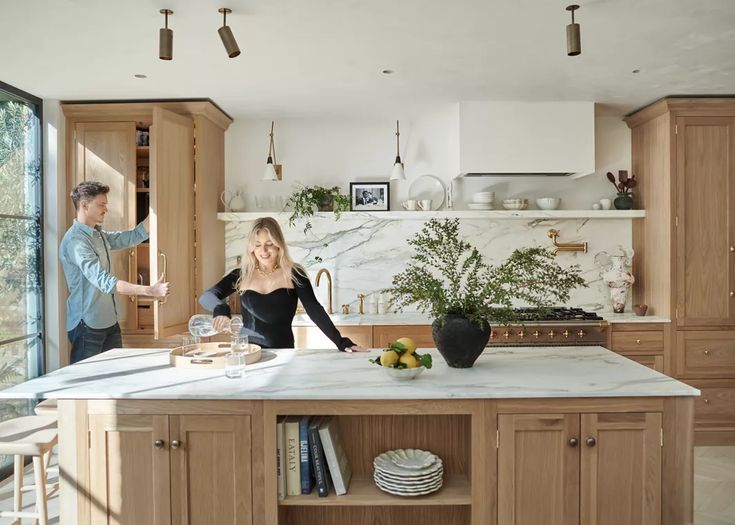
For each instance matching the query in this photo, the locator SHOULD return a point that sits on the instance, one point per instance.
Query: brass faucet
(565, 247)
(361, 297)
(329, 289)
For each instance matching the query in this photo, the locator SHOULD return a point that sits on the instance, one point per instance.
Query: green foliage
(449, 276)
(303, 201)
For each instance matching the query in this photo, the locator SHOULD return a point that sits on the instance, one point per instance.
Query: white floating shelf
(448, 214)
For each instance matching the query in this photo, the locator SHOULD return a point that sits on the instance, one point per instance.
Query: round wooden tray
(208, 355)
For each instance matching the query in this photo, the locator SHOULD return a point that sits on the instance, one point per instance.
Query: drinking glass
(234, 365)
(190, 342)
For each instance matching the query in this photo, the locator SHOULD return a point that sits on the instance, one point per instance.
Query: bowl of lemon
(401, 362)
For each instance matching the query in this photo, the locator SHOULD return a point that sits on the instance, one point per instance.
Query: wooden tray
(208, 355)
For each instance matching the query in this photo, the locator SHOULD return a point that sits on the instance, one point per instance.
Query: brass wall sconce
(565, 246)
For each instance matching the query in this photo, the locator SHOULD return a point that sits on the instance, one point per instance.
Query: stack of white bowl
(515, 204)
(482, 200)
(408, 472)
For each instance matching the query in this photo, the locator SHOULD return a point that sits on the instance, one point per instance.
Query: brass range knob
(581, 333)
(158, 443)
(552, 334)
(536, 334)
(573, 442)
(565, 333)
(521, 334)
(591, 442)
(175, 444)
(493, 334)
(506, 334)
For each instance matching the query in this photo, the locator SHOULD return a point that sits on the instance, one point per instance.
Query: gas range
(557, 326)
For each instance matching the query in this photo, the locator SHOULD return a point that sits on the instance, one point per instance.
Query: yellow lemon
(389, 358)
(409, 360)
(408, 343)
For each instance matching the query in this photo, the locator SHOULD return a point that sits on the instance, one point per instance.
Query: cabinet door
(705, 189)
(621, 469)
(538, 469)
(172, 219)
(129, 474)
(105, 152)
(313, 337)
(384, 335)
(211, 470)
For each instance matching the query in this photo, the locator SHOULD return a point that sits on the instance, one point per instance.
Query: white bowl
(515, 204)
(548, 203)
(403, 374)
(483, 197)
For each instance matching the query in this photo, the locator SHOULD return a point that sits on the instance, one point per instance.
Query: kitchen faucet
(329, 285)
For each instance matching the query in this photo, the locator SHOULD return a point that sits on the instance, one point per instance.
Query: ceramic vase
(624, 201)
(618, 278)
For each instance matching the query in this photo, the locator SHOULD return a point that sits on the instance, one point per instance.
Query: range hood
(527, 139)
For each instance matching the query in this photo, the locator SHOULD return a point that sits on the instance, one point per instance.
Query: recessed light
(140, 75)
(635, 71)
(387, 71)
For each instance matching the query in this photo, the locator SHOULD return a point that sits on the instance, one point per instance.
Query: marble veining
(523, 372)
(363, 251)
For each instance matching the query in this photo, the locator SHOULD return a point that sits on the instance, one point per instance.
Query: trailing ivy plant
(448, 275)
(303, 201)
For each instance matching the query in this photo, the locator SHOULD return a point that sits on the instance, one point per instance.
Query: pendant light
(166, 38)
(574, 44)
(272, 170)
(225, 33)
(397, 173)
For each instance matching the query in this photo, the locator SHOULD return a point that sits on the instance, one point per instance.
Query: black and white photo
(369, 196)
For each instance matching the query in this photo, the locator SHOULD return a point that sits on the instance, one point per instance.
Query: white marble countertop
(524, 372)
(355, 319)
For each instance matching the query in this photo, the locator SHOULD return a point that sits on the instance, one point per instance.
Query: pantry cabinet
(163, 160)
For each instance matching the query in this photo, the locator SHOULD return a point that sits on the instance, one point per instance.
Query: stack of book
(310, 454)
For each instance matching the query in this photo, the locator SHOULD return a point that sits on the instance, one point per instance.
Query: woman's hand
(220, 323)
(356, 348)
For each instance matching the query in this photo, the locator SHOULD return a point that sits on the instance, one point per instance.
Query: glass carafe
(200, 325)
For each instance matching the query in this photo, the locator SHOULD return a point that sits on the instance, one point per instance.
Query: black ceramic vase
(459, 340)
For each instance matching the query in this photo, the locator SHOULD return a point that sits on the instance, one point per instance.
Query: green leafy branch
(303, 201)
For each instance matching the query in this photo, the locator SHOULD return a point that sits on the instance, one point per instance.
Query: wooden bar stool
(29, 436)
(48, 407)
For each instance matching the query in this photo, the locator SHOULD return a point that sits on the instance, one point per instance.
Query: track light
(225, 33)
(574, 44)
(166, 39)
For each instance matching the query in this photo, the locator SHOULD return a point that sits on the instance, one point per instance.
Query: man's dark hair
(87, 191)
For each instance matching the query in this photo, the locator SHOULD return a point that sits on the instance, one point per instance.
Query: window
(21, 248)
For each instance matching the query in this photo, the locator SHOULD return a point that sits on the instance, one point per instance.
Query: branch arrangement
(625, 184)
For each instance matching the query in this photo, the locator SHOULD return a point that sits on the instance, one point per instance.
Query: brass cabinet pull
(158, 443)
(131, 260)
(591, 442)
(732, 248)
(706, 352)
(175, 444)
(706, 401)
(573, 442)
(732, 294)
(164, 272)
(637, 341)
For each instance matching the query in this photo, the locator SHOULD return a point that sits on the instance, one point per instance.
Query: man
(367, 198)
(92, 307)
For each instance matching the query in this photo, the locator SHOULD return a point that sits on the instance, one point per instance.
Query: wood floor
(714, 489)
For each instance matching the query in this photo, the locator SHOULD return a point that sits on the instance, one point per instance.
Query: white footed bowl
(548, 203)
(403, 374)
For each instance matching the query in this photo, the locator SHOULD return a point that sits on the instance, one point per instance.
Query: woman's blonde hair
(249, 263)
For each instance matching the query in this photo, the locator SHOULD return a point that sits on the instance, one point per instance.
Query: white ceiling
(303, 57)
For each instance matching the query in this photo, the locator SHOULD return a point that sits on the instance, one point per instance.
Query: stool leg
(17, 484)
(39, 472)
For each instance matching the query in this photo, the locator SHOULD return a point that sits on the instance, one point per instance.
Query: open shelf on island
(361, 492)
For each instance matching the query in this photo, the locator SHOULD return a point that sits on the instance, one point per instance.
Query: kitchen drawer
(383, 335)
(715, 408)
(655, 361)
(145, 316)
(639, 342)
(706, 353)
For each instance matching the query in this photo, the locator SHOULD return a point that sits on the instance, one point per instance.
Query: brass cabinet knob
(581, 334)
(732, 294)
(506, 334)
(591, 442)
(732, 248)
(565, 333)
(158, 443)
(706, 352)
(637, 341)
(175, 444)
(706, 401)
(552, 334)
(536, 334)
(573, 442)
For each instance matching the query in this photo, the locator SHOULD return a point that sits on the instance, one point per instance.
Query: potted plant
(449, 279)
(624, 186)
(303, 201)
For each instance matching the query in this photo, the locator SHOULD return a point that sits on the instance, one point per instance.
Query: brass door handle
(176, 444)
(164, 272)
(158, 443)
(573, 442)
(591, 442)
(131, 261)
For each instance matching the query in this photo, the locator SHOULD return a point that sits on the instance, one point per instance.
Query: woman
(270, 283)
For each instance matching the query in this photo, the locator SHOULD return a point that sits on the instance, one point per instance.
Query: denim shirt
(85, 257)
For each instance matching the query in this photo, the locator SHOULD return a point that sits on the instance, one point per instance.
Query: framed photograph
(370, 196)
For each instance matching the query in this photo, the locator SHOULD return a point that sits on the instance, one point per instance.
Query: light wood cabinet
(383, 335)
(683, 152)
(313, 337)
(590, 468)
(186, 147)
(645, 343)
(180, 470)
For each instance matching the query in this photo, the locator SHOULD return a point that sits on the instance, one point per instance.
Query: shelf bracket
(565, 246)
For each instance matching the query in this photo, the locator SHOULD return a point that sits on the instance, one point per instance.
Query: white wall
(336, 151)
(54, 189)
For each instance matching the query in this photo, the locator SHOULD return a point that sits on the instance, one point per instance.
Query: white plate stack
(482, 200)
(408, 472)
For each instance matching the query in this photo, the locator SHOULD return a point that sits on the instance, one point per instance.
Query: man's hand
(160, 288)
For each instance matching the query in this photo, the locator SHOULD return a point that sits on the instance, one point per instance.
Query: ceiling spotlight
(225, 33)
(635, 71)
(140, 75)
(166, 39)
(387, 71)
(574, 44)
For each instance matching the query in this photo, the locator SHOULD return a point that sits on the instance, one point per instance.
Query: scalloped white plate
(408, 484)
(411, 458)
(402, 492)
(384, 463)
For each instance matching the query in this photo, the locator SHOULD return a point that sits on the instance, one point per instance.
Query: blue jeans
(87, 342)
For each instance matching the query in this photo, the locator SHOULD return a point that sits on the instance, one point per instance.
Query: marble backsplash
(363, 252)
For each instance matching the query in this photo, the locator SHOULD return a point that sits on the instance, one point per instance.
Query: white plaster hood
(508, 138)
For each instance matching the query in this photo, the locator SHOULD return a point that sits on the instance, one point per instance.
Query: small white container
(548, 203)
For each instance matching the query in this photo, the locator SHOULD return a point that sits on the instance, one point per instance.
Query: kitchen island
(529, 435)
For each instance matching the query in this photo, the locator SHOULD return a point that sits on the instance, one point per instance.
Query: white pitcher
(233, 201)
